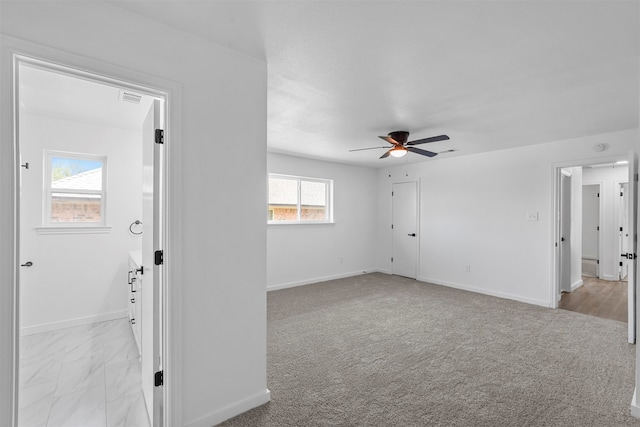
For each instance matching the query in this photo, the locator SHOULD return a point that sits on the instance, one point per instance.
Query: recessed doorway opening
(90, 291)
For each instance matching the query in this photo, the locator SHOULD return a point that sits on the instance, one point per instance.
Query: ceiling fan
(400, 146)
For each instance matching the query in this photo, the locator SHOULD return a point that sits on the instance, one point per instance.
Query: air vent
(130, 97)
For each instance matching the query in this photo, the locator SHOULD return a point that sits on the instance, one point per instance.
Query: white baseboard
(635, 409)
(609, 277)
(318, 280)
(69, 323)
(232, 410)
(577, 285)
(490, 292)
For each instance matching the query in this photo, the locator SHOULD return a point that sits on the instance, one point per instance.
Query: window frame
(299, 179)
(48, 192)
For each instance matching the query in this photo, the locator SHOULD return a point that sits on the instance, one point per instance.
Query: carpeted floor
(380, 350)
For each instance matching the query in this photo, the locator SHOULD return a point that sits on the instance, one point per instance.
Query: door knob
(412, 234)
(26, 264)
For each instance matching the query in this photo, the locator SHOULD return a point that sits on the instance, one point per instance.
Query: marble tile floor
(83, 376)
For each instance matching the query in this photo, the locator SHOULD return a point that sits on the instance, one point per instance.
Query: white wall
(77, 278)
(300, 254)
(610, 179)
(474, 212)
(218, 279)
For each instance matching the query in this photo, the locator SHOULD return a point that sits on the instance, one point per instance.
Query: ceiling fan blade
(386, 154)
(423, 152)
(389, 140)
(370, 148)
(431, 139)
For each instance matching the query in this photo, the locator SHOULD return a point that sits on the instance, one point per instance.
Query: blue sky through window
(64, 167)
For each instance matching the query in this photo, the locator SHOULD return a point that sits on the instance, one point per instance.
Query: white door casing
(404, 231)
(624, 230)
(632, 246)
(151, 242)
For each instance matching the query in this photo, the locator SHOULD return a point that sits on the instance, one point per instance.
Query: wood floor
(599, 298)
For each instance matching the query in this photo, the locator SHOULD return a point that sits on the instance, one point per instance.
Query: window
(75, 189)
(294, 199)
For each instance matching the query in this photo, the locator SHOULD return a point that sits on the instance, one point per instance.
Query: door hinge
(159, 257)
(597, 261)
(621, 194)
(620, 228)
(620, 263)
(159, 136)
(392, 194)
(598, 228)
(391, 259)
(392, 226)
(598, 194)
(635, 177)
(158, 378)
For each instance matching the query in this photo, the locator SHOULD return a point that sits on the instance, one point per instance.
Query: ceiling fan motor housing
(400, 136)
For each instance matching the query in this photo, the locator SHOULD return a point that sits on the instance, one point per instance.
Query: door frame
(417, 182)
(16, 50)
(554, 290)
(555, 223)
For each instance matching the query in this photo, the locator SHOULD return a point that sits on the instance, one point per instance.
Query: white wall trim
(232, 410)
(576, 285)
(78, 321)
(635, 410)
(317, 280)
(489, 292)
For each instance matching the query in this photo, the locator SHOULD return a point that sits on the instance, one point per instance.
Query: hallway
(601, 298)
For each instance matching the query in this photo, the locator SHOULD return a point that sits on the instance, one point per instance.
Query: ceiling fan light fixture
(398, 151)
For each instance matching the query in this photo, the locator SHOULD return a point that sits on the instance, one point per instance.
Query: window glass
(313, 201)
(295, 199)
(75, 190)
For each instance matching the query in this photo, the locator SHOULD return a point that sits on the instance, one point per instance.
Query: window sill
(78, 229)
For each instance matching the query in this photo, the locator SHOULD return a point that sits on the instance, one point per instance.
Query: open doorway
(90, 204)
(599, 202)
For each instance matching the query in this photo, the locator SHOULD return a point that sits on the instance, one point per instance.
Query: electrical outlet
(532, 216)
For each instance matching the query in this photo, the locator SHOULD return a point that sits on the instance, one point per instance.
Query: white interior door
(151, 242)
(405, 229)
(591, 229)
(632, 245)
(624, 230)
(565, 233)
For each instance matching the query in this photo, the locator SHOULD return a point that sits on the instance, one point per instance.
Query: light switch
(532, 216)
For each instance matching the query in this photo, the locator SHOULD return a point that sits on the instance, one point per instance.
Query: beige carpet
(379, 350)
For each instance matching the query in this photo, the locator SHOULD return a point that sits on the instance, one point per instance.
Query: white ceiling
(59, 95)
(490, 74)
